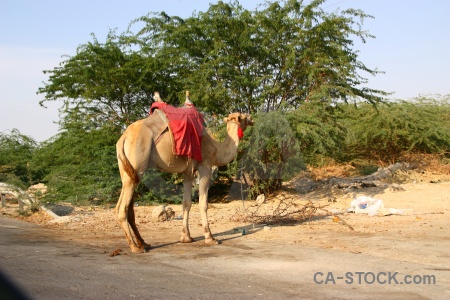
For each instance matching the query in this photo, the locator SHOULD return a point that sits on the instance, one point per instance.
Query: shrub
(160, 187)
(80, 165)
(16, 151)
(319, 132)
(392, 129)
(272, 154)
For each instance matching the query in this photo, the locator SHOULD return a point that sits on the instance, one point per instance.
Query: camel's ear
(248, 119)
(232, 117)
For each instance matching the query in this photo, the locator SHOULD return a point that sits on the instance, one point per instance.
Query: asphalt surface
(41, 266)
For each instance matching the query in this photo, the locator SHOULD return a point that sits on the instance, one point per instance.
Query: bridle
(240, 130)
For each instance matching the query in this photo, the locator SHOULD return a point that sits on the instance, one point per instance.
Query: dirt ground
(421, 224)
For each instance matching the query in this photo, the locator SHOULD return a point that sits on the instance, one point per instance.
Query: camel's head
(243, 120)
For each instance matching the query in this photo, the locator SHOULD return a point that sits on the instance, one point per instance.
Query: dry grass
(423, 168)
(431, 164)
(332, 170)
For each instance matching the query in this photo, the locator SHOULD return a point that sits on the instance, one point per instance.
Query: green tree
(279, 57)
(105, 83)
(16, 151)
(319, 131)
(231, 59)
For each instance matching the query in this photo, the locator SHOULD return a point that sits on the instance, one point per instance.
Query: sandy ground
(422, 227)
(284, 253)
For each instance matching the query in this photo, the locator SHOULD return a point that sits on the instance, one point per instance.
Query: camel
(144, 145)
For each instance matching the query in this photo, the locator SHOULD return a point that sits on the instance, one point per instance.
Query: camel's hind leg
(126, 217)
(132, 221)
(133, 152)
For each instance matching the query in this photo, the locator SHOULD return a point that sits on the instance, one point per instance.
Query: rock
(40, 187)
(66, 220)
(389, 171)
(395, 188)
(260, 199)
(60, 210)
(162, 213)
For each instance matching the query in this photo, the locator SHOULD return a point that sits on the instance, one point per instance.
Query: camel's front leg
(205, 174)
(187, 203)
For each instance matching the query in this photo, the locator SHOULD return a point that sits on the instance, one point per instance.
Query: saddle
(185, 126)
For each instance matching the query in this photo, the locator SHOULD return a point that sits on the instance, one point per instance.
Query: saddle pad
(186, 125)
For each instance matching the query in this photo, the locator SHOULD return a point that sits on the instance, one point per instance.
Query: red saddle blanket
(186, 125)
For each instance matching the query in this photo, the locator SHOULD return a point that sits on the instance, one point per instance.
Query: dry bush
(332, 170)
(423, 168)
(275, 212)
(282, 209)
(430, 163)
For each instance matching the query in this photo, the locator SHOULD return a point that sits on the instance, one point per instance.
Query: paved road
(43, 267)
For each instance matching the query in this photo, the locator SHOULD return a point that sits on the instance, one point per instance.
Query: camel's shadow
(246, 230)
(231, 234)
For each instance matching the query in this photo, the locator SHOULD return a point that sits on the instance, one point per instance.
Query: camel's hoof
(212, 241)
(144, 248)
(147, 247)
(137, 250)
(186, 239)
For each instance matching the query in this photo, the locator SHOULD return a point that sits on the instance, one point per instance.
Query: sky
(411, 46)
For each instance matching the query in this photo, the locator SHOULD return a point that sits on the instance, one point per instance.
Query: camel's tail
(126, 165)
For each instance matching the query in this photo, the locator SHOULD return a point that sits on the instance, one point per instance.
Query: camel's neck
(227, 150)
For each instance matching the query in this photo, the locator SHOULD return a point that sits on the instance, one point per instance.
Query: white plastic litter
(372, 207)
(392, 211)
(366, 205)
